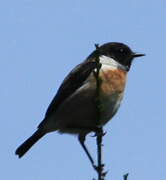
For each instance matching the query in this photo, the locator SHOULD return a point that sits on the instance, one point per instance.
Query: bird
(73, 110)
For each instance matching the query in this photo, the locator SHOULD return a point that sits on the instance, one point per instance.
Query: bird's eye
(121, 50)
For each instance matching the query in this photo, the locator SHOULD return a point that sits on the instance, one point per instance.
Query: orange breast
(113, 81)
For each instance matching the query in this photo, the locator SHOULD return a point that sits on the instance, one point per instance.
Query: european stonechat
(73, 109)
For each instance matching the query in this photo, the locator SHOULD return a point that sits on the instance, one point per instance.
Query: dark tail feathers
(21, 150)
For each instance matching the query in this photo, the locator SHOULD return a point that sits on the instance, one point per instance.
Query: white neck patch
(108, 61)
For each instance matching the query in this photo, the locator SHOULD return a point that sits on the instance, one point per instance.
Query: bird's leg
(81, 139)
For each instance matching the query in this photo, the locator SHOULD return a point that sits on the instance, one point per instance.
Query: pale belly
(109, 106)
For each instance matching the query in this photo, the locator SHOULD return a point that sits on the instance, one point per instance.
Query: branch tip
(125, 176)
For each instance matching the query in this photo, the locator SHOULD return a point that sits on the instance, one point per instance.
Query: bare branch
(99, 133)
(125, 177)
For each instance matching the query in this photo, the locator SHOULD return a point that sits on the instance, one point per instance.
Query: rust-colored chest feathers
(112, 86)
(113, 80)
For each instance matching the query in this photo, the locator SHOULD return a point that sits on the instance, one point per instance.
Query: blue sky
(40, 42)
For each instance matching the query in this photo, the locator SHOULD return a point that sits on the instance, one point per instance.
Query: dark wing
(71, 83)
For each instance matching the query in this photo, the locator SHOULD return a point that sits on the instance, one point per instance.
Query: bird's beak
(137, 55)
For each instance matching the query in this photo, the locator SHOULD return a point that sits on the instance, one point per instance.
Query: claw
(100, 133)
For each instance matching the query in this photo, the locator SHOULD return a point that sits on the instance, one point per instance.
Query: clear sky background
(40, 42)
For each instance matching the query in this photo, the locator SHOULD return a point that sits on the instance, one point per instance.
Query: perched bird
(73, 109)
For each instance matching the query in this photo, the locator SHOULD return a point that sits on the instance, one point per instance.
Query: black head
(120, 52)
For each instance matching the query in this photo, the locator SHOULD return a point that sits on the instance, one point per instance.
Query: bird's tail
(23, 148)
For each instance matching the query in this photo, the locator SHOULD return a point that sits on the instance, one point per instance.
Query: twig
(99, 134)
(125, 177)
(99, 154)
